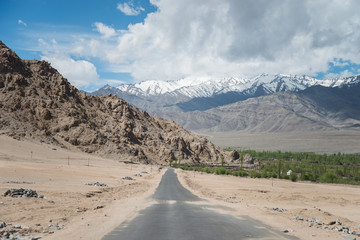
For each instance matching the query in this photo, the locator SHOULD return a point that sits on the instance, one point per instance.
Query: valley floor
(71, 209)
(277, 203)
(343, 141)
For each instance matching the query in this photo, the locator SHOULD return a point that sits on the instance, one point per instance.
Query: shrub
(254, 174)
(293, 177)
(220, 171)
(240, 173)
(207, 169)
(305, 176)
(329, 178)
(264, 175)
(284, 176)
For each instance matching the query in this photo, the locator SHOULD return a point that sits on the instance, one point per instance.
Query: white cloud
(129, 9)
(338, 63)
(80, 73)
(104, 30)
(343, 74)
(22, 22)
(114, 82)
(222, 38)
(228, 38)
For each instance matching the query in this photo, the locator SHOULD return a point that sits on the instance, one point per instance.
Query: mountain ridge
(316, 108)
(205, 87)
(191, 94)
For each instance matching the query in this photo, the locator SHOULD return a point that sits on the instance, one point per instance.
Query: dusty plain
(73, 210)
(344, 141)
(258, 199)
(70, 209)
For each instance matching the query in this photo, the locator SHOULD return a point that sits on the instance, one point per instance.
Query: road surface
(178, 215)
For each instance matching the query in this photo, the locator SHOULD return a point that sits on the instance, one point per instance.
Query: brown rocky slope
(38, 104)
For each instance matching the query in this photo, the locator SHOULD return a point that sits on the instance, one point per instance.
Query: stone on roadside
(128, 178)
(348, 237)
(99, 207)
(21, 192)
(79, 209)
(53, 227)
(2, 224)
(97, 184)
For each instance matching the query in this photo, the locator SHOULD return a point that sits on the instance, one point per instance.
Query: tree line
(326, 168)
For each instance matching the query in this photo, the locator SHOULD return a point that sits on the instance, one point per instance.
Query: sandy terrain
(61, 176)
(319, 142)
(84, 212)
(257, 198)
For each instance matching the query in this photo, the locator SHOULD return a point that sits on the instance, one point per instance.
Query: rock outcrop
(37, 103)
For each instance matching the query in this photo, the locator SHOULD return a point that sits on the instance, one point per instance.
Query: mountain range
(38, 104)
(263, 103)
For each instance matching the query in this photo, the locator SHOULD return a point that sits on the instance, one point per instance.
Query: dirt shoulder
(69, 209)
(306, 210)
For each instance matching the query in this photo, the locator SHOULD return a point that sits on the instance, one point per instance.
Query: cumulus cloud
(21, 22)
(105, 30)
(229, 38)
(129, 9)
(343, 74)
(243, 38)
(80, 73)
(115, 82)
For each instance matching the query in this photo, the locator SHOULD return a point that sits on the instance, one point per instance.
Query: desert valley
(95, 163)
(191, 120)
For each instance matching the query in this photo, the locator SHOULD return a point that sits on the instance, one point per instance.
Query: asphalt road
(178, 215)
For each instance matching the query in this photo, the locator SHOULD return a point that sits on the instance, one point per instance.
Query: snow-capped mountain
(207, 87)
(190, 94)
(263, 103)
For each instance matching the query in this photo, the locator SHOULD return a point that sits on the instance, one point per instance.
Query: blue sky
(94, 43)
(23, 23)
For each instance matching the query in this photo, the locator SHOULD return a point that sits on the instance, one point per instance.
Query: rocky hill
(37, 103)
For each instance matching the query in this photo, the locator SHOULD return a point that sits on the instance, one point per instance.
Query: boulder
(21, 192)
